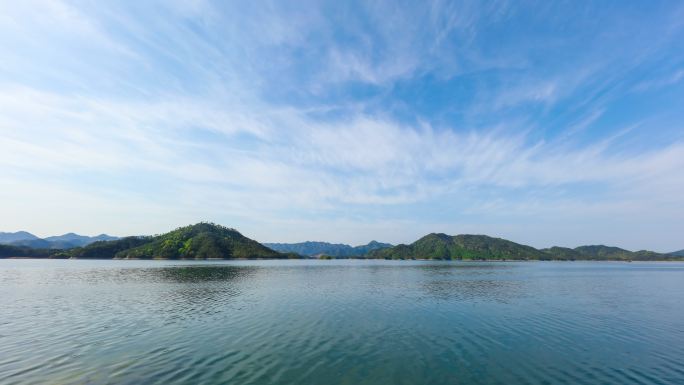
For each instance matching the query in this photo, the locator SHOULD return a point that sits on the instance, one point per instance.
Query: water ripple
(340, 322)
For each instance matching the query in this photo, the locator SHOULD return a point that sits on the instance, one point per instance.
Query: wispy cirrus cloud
(393, 120)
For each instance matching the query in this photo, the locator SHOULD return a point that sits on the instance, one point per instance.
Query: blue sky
(548, 123)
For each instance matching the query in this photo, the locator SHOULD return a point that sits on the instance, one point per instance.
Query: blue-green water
(340, 322)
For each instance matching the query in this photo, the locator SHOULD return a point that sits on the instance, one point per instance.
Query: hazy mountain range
(66, 241)
(311, 249)
(211, 241)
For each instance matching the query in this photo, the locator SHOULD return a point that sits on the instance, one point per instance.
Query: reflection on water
(452, 268)
(471, 290)
(199, 274)
(340, 322)
(472, 281)
(124, 274)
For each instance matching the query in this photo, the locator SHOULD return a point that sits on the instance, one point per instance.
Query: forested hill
(482, 247)
(11, 251)
(442, 246)
(210, 241)
(604, 253)
(200, 241)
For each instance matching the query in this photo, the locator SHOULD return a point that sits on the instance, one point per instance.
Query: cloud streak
(331, 122)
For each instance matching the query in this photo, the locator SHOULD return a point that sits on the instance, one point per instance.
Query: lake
(340, 322)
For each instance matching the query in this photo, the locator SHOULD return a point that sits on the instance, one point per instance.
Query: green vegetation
(10, 251)
(562, 253)
(200, 241)
(482, 247)
(604, 253)
(468, 247)
(211, 241)
(108, 249)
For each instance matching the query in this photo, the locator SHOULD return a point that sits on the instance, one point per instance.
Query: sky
(546, 123)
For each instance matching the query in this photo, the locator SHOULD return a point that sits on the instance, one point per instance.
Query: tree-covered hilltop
(604, 253)
(482, 247)
(442, 246)
(611, 253)
(200, 241)
(562, 253)
(211, 241)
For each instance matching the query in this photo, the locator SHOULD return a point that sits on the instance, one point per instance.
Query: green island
(212, 241)
(482, 247)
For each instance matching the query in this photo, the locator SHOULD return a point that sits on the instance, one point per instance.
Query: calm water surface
(340, 322)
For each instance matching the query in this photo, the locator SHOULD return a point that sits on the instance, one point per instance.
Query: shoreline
(343, 259)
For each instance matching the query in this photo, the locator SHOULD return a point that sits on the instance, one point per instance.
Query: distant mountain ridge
(679, 253)
(7, 238)
(66, 241)
(311, 249)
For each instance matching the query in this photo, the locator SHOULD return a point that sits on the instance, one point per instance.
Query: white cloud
(297, 164)
(360, 159)
(185, 129)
